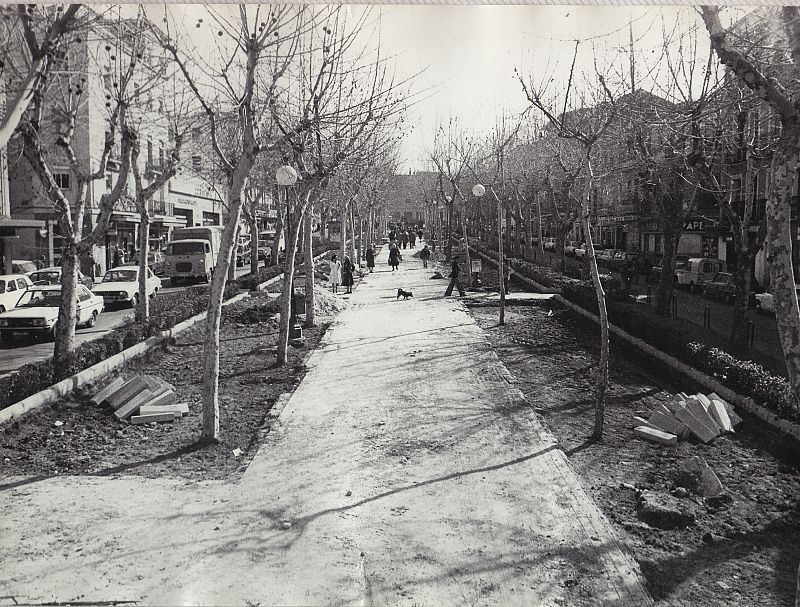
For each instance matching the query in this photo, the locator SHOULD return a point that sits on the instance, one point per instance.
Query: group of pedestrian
(341, 274)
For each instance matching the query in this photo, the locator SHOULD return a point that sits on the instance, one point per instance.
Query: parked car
(570, 247)
(698, 271)
(21, 266)
(765, 302)
(37, 312)
(655, 270)
(721, 287)
(243, 254)
(549, 244)
(635, 262)
(605, 257)
(265, 252)
(12, 287)
(121, 285)
(580, 252)
(616, 260)
(155, 261)
(52, 276)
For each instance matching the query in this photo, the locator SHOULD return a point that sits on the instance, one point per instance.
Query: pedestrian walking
(347, 274)
(336, 273)
(394, 258)
(370, 258)
(404, 239)
(117, 258)
(412, 238)
(425, 255)
(454, 282)
(507, 272)
(392, 236)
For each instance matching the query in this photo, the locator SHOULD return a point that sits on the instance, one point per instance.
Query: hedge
(166, 312)
(742, 376)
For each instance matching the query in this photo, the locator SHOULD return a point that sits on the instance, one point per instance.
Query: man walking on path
(454, 282)
(425, 255)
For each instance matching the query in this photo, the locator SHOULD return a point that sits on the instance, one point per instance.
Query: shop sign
(187, 202)
(700, 225)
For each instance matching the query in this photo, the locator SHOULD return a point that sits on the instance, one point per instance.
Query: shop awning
(9, 226)
(169, 220)
(125, 216)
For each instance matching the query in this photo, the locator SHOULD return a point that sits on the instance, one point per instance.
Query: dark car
(721, 287)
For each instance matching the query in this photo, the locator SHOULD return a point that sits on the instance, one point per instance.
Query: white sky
(468, 53)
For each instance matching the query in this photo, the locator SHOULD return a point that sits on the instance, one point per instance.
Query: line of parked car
(29, 302)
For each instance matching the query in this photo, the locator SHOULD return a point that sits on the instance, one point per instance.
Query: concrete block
(656, 436)
(698, 428)
(155, 417)
(131, 388)
(667, 423)
(701, 413)
(663, 409)
(683, 396)
(108, 390)
(695, 474)
(675, 404)
(132, 406)
(179, 409)
(735, 419)
(703, 399)
(640, 421)
(720, 415)
(161, 399)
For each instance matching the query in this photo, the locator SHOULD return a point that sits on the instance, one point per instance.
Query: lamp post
(287, 177)
(478, 190)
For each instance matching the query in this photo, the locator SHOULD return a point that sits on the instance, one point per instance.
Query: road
(15, 354)
(691, 308)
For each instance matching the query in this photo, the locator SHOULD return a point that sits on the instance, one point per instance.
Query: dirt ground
(744, 553)
(75, 437)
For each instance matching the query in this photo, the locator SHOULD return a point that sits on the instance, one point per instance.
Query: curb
(746, 403)
(95, 372)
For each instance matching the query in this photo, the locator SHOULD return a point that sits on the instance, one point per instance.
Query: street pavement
(406, 468)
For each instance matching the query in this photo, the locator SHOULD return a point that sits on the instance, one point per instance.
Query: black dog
(404, 294)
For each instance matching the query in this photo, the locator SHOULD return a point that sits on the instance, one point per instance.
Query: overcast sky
(467, 54)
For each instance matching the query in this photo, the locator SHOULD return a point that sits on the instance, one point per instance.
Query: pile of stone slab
(703, 416)
(141, 399)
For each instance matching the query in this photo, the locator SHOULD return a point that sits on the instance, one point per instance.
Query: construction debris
(142, 399)
(683, 415)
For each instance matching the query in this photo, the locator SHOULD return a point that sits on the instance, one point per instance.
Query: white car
(37, 312)
(12, 287)
(580, 252)
(765, 302)
(121, 285)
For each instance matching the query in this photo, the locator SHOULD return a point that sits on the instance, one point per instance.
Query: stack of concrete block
(142, 399)
(699, 415)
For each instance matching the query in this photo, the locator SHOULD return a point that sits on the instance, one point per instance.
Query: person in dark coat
(117, 258)
(454, 282)
(425, 255)
(404, 239)
(347, 274)
(412, 239)
(370, 254)
(394, 258)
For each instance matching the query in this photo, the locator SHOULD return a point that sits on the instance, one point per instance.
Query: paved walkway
(405, 469)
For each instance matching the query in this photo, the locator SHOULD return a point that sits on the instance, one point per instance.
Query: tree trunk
(501, 264)
(143, 305)
(253, 223)
(286, 291)
(232, 266)
(276, 243)
(308, 253)
(561, 257)
(342, 232)
(602, 369)
(779, 253)
(745, 257)
(226, 258)
(529, 234)
(360, 241)
(68, 310)
(468, 260)
(351, 220)
(323, 223)
(666, 281)
(539, 227)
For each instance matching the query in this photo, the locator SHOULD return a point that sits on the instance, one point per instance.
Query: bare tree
(31, 38)
(775, 88)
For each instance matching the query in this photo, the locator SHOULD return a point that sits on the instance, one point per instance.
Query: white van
(12, 287)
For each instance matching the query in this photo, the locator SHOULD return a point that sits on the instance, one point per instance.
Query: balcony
(153, 169)
(160, 207)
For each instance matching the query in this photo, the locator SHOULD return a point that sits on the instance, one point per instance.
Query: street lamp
(478, 190)
(287, 177)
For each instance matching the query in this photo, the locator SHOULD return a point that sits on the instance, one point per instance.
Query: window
(197, 163)
(62, 180)
(11, 286)
(149, 151)
(109, 182)
(21, 283)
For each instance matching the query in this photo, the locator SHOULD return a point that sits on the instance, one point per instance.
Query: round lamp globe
(286, 175)
(478, 190)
